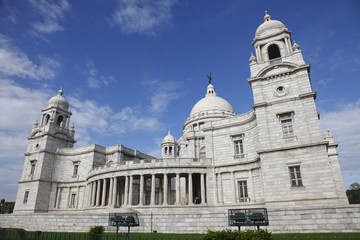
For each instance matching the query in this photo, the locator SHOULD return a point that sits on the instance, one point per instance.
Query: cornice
(293, 147)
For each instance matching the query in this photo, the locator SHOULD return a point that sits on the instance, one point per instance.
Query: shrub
(95, 232)
(236, 235)
(21, 233)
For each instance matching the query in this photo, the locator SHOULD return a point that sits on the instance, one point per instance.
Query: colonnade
(147, 189)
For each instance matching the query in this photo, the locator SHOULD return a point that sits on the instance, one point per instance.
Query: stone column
(152, 198)
(111, 192)
(251, 187)
(85, 195)
(165, 188)
(68, 198)
(177, 189)
(190, 182)
(290, 45)
(126, 197)
(131, 189)
(114, 192)
(221, 198)
(259, 56)
(77, 197)
(202, 185)
(141, 190)
(233, 186)
(103, 201)
(58, 197)
(98, 189)
(93, 191)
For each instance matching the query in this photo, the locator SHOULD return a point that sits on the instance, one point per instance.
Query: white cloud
(20, 108)
(96, 80)
(164, 92)
(142, 16)
(52, 13)
(91, 118)
(344, 126)
(14, 62)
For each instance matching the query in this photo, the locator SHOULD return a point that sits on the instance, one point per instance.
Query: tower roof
(168, 139)
(58, 101)
(269, 27)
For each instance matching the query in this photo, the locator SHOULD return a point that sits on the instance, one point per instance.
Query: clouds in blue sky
(50, 15)
(14, 62)
(142, 16)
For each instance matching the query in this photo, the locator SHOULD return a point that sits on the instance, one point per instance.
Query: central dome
(211, 106)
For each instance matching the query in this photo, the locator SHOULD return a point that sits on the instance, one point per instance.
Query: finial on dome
(252, 58)
(60, 92)
(209, 77)
(169, 132)
(267, 17)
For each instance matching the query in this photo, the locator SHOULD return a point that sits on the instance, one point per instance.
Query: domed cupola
(269, 27)
(58, 101)
(168, 146)
(272, 41)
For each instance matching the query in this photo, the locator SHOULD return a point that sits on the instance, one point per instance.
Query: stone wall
(192, 220)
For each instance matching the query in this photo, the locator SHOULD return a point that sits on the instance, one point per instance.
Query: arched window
(47, 118)
(273, 51)
(59, 120)
(165, 150)
(170, 150)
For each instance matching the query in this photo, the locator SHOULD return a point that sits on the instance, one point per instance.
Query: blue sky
(133, 69)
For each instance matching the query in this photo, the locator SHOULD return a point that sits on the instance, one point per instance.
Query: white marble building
(273, 156)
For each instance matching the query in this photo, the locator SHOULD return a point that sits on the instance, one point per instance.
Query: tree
(6, 207)
(353, 193)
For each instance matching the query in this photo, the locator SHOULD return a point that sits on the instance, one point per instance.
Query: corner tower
(300, 167)
(52, 133)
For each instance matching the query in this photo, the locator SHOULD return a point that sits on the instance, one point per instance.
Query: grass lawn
(12, 234)
(316, 236)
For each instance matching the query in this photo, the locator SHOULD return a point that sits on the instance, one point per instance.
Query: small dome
(58, 101)
(168, 139)
(269, 27)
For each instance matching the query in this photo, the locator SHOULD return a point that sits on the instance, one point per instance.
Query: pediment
(276, 69)
(62, 135)
(36, 134)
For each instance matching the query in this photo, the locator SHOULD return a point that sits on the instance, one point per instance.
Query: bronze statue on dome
(209, 77)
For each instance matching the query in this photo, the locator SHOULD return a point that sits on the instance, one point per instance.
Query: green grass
(316, 236)
(10, 234)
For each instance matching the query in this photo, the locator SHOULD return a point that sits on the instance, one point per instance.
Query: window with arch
(47, 118)
(60, 119)
(273, 51)
(32, 169)
(170, 150)
(166, 150)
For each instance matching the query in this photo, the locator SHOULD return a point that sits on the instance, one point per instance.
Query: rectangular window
(32, 170)
(72, 200)
(239, 149)
(76, 168)
(243, 192)
(287, 128)
(295, 176)
(26, 196)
